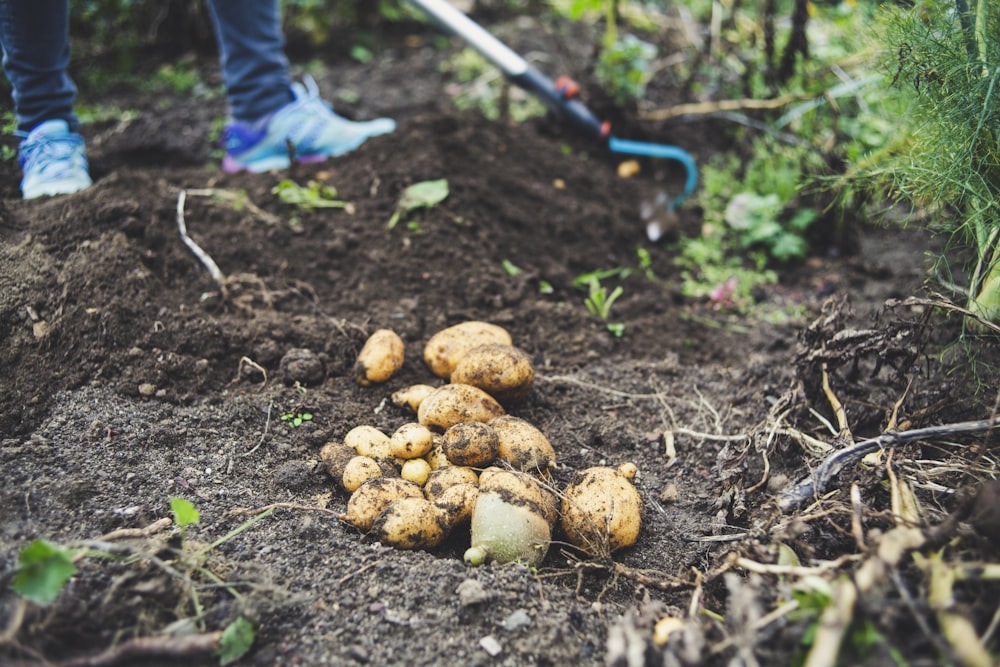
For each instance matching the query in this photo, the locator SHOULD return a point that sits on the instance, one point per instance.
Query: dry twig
(148, 647)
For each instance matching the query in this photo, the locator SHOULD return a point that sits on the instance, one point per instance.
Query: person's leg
(273, 117)
(35, 39)
(34, 36)
(252, 53)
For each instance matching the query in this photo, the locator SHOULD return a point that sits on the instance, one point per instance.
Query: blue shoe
(53, 161)
(305, 130)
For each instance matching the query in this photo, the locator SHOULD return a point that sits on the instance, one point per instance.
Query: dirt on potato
(130, 377)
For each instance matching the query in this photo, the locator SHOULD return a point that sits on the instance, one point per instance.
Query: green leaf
(185, 513)
(419, 195)
(236, 640)
(313, 195)
(511, 268)
(43, 569)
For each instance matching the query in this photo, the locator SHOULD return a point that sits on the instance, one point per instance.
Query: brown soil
(130, 378)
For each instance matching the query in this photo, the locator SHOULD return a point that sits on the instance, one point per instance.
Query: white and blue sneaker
(304, 130)
(53, 161)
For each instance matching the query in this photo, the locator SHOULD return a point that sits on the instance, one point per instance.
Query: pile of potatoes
(465, 462)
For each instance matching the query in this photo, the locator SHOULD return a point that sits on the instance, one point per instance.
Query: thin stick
(203, 256)
(148, 647)
(816, 483)
(287, 506)
(126, 533)
(267, 426)
(719, 106)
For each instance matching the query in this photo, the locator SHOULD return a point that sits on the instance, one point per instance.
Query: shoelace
(47, 149)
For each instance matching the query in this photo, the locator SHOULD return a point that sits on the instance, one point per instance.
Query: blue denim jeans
(34, 35)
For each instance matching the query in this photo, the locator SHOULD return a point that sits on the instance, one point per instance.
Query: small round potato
(412, 523)
(442, 478)
(601, 511)
(504, 372)
(416, 471)
(470, 444)
(445, 348)
(359, 470)
(410, 397)
(372, 497)
(410, 441)
(523, 445)
(380, 357)
(368, 441)
(456, 403)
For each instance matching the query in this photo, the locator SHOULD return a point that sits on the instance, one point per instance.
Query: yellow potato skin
(372, 497)
(522, 444)
(445, 349)
(412, 523)
(381, 356)
(601, 511)
(368, 441)
(456, 403)
(503, 371)
(470, 444)
(410, 397)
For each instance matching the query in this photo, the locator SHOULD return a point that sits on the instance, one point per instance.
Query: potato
(456, 403)
(416, 471)
(372, 497)
(470, 444)
(410, 397)
(502, 371)
(359, 470)
(410, 441)
(334, 457)
(412, 523)
(523, 445)
(380, 357)
(601, 511)
(442, 478)
(445, 348)
(508, 523)
(368, 441)
(459, 501)
(436, 456)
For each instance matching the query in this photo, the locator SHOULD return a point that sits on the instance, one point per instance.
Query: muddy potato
(412, 523)
(380, 357)
(503, 371)
(470, 444)
(368, 441)
(359, 470)
(601, 510)
(334, 457)
(456, 403)
(410, 441)
(372, 497)
(522, 444)
(508, 522)
(459, 501)
(416, 471)
(410, 397)
(445, 348)
(436, 456)
(442, 478)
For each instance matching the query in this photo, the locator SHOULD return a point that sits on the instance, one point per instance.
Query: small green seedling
(296, 419)
(599, 301)
(313, 195)
(510, 268)
(425, 194)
